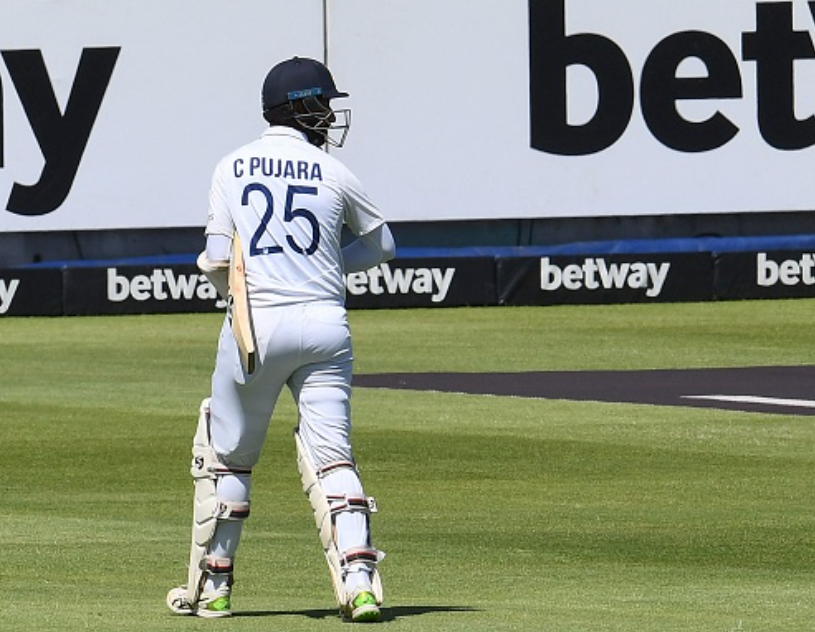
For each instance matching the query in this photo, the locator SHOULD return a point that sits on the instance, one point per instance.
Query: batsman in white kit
(274, 249)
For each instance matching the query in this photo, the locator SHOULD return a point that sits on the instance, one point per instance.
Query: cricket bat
(241, 313)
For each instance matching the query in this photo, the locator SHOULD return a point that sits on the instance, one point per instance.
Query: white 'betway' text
(596, 273)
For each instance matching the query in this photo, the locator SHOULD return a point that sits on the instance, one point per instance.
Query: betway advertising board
(182, 288)
(434, 282)
(115, 117)
(581, 108)
(31, 293)
(617, 278)
(774, 274)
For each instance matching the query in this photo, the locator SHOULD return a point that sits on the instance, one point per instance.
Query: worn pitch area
(772, 389)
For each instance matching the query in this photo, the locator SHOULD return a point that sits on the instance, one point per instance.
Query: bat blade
(241, 312)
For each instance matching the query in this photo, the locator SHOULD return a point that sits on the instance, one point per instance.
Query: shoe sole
(366, 614)
(212, 614)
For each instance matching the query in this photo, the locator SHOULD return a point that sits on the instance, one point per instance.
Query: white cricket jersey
(288, 201)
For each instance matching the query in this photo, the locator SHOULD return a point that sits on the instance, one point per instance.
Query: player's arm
(214, 263)
(369, 250)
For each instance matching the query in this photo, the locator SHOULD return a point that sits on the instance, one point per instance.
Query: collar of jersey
(282, 130)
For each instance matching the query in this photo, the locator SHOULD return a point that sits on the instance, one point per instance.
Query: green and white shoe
(362, 608)
(215, 604)
(210, 605)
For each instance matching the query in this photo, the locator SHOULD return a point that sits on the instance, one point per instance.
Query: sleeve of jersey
(361, 214)
(219, 221)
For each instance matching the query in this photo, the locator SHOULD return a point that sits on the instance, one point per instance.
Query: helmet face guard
(322, 122)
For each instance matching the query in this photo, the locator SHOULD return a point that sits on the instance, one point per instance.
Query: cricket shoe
(362, 608)
(209, 606)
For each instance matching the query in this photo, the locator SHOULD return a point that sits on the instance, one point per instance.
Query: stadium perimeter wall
(633, 271)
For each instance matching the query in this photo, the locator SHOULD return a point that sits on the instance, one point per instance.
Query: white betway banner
(542, 108)
(114, 113)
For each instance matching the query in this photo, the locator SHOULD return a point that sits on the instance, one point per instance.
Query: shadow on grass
(391, 613)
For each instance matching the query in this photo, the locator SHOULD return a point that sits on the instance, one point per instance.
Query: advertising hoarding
(114, 113)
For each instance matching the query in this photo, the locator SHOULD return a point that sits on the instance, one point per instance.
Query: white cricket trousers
(306, 347)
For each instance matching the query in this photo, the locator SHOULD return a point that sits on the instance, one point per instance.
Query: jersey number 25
(290, 214)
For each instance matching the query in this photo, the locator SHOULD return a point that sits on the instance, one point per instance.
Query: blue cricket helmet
(297, 78)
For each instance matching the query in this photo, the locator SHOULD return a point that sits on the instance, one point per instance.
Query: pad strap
(333, 467)
(343, 502)
(346, 502)
(228, 510)
(367, 557)
(218, 565)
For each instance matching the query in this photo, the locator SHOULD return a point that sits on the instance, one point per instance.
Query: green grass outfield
(496, 513)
